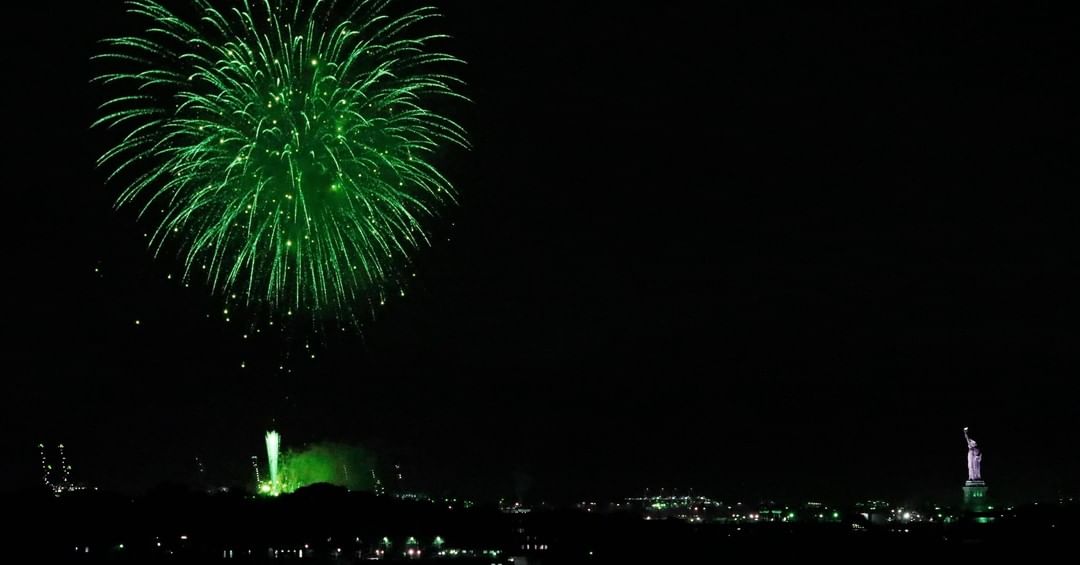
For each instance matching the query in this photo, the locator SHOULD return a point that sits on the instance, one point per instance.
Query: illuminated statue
(974, 459)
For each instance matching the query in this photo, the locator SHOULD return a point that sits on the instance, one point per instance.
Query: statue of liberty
(974, 459)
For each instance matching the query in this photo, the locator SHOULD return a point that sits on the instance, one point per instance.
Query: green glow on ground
(337, 464)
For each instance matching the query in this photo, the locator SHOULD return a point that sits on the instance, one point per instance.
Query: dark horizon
(757, 253)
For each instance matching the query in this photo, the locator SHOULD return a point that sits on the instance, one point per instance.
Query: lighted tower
(255, 466)
(65, 470)
(45, 467)
(56, 478)
(399, 480)
(379, 489)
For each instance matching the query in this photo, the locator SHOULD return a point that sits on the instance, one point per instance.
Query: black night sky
(757, 252)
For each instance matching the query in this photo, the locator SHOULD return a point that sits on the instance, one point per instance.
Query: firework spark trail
(273, 449)
(284, 149)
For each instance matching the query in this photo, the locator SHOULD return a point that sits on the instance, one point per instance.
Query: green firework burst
(284, 146)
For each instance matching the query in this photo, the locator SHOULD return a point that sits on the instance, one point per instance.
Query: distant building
(687, 508)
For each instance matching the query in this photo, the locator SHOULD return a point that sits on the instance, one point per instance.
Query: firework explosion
(283, 146)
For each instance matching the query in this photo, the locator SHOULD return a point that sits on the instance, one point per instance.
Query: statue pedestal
(975, 499)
